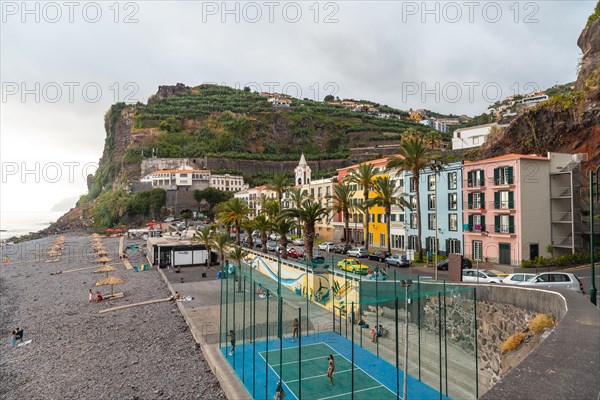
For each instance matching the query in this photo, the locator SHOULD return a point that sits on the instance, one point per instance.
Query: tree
(308, 214)
(279, 184)
(249, 226)
(297, 196)
(186, 215)
(233, 212)
(270, 208)
(211, 195)
(204, 235)
(433, 139)
(386, 196)
(238, 254)
(342, 203)
(263, 225)
(363, 176)
(283, 226)
(329, 97)
(413, 156)
(220, 242)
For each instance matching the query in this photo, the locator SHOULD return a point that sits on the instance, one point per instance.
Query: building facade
(440, 207)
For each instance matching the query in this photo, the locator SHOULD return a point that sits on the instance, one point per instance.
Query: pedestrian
(232, 341)
(279, 392)
(90, 296)
(295, 329)
(330, 369)
(13, 338)
(6, 261)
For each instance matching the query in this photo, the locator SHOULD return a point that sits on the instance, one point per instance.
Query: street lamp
(594, 196)
(436, 167)
(406, 283)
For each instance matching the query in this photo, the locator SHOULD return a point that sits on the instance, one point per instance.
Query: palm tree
(220, 242)
(363, 176)
(249, 226)
(386, 196)
(342, 203)
(413, 156)
(309, 213)
(279, 184)
(233, 212)
(263, 225)
(297, 196)
(204, 235)
(283, 226)
(271, 208)
(238, 254)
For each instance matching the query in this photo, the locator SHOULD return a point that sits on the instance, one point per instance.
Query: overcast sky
(64, 64)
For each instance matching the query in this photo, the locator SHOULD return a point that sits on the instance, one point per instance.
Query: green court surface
(315, 383)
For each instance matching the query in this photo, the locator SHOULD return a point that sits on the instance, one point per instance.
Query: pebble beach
(144, 352)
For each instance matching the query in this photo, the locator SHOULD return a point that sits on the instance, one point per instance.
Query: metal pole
(397, 365)
(360, 300)
(346, 301)
(254, 340)
(419, 321)
(299, 354)
(280, 344)
(377, 313)
(279, 304)
(435, 245)
(352, 335)
(221, 312)
(405, 389)
(475, 336)
(593, 197)
(440, 340)
(227, 308)
(244, 336)
(267, 352)
(445, 343)
(233, 304)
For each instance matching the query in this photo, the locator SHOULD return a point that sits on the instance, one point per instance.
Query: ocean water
(22, 223)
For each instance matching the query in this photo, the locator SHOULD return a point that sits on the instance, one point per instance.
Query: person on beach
(330, 369)
(13, 338)
(6, 261)
(232, 341)
(99, 296)
(176, 296)
(91, 296)
(279, 392)
(295, 329)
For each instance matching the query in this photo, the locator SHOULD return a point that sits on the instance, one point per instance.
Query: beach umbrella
(53, 253)
(103, 260)
(106, 268)
(102, 252)
(111, 280)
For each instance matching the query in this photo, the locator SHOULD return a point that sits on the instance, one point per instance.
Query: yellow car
(353, 265)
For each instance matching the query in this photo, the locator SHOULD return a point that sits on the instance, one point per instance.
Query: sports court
(370, 378)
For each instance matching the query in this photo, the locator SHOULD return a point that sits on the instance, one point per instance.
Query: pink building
(507, 208)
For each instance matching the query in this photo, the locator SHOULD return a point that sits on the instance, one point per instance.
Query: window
(452, 176)
(431, 201)
(452, 201)
(476, 223)
(431, 221)
(382, 240)
(453, 222)
(412, 242)
(413, 202)
(504, 224)
(475, 178)
(432, 245)
(503, 176)
(413, 220)
(476, 200)
(504, 200)
(380, 219)
(319, 192)
(411, 181)
(397, 241)
(431, 182)
(400, 217)
(183, 175)
(453, 246)
(477, 250)
(392, 217)
(370, 237)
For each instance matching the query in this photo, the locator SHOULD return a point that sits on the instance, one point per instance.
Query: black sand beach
(144, 352)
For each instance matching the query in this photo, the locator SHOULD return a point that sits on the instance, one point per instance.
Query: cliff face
(570, 123)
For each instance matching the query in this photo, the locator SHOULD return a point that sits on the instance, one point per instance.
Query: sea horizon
(21, 223)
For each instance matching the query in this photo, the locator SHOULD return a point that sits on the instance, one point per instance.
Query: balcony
(562, 217)
(563, 241)
(561, 192)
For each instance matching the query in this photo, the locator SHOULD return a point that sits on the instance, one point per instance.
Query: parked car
(295, 253)
(379, 255)
(397, 260)
(481, 276)
(358, 252)
(169, 219)
(256, 234)
(298, 242)
(274, 236)
(564, 280)
(443, 265)
(326, 246)
(341, 248)
(271, 246)
(318, 258)
(353, 265)
(517, 279)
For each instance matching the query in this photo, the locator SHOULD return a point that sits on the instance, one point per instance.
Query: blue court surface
(374, 378)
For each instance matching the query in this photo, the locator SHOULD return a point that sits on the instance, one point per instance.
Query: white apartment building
(228, 183)
(188, 178)
(473, 136)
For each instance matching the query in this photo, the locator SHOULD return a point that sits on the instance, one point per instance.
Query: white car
(481, 276)
(358, 252)
(272, 246)
(326, 246)
(298, 242)
(517, 279)
(558, 280)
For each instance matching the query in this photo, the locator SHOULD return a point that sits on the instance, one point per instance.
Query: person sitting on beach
(99, 296)
(19, 333)
(176, 296)
(259, 290)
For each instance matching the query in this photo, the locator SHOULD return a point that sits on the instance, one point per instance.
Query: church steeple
(302, 172)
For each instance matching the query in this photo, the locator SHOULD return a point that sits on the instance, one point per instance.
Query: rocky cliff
(568, 123)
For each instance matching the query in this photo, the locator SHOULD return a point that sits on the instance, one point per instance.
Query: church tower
(302, 172)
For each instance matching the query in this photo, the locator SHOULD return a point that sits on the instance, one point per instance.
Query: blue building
(447, 197)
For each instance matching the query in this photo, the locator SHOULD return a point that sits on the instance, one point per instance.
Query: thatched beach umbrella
(106, 268)
(53, 253)
(102, 252)
(111, 280)
(103, 260)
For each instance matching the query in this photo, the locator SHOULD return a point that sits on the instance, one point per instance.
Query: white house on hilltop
(473, 136)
